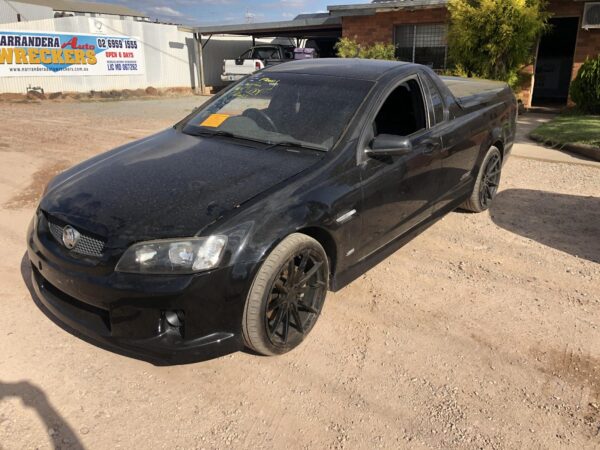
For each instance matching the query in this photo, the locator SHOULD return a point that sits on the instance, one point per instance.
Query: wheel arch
(500, 146)
(326, 240)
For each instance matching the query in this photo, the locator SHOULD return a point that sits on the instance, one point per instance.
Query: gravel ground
(483, 332)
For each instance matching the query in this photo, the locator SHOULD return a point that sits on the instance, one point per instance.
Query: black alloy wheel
(296, 297)
(487, 182)
(490, 181)
(287, 296)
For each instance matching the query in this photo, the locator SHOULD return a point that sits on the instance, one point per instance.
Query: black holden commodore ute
(227, 230)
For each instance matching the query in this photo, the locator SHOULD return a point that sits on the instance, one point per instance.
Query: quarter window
(436, 100)
(423, 44)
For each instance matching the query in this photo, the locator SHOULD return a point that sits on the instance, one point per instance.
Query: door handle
(431, 146)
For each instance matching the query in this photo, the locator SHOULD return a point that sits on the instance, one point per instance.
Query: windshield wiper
(293, 144)
(214, 133)
(269, 144)
(229, 134)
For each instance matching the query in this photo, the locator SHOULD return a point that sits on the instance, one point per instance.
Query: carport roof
(304, 26)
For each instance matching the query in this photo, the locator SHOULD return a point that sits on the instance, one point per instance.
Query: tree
(494, 38)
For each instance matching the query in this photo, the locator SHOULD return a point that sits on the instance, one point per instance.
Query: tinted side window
(266, 53)
(436, 100)
(288, 53)
(403, 112)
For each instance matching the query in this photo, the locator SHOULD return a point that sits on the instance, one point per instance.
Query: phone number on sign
(116, 43)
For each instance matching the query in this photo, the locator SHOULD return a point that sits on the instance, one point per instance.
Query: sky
(211, 12)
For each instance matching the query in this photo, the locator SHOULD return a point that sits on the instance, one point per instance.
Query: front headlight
(173, 256)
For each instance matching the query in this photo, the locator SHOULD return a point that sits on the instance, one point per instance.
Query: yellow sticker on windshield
(215, 120)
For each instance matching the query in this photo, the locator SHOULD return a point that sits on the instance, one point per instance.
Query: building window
(423, 44)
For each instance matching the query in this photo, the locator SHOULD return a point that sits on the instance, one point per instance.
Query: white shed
(23, 12)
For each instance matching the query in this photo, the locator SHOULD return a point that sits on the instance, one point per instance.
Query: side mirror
(239, 61)
(389, 145)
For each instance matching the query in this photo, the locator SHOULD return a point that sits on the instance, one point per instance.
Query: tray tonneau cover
(472, 91)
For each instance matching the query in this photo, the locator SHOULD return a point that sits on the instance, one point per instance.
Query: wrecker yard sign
(65, 54)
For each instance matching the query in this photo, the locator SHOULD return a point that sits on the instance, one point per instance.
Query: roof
(85, 7)
(382, 6)
(301, 27)
(363, 69)
(311, 16)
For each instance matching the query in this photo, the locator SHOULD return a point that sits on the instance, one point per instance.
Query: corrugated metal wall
(166, 53)
(169, 56)
(9, 11)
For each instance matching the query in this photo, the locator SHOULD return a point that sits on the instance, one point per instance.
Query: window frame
(429, 83)
(364, 141)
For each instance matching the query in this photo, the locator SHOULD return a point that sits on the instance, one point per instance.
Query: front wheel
(486, 185)
(286, 296)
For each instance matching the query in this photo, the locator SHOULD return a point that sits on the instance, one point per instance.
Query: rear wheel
(287, 296)
(486, 185)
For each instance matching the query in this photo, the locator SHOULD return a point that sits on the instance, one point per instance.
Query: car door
(398, 191)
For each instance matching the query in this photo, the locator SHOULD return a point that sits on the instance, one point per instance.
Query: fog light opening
(173, 320)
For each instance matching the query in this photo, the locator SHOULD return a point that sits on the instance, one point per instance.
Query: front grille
(86, 245)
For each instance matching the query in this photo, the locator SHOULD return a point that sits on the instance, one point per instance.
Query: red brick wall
(380, 27)
(588, 42)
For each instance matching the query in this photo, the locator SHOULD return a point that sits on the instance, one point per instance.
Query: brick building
(418, 29)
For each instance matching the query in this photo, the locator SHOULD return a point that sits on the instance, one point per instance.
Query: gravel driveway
(484, 332)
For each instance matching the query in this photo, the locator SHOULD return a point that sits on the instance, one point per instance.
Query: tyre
(286, 296)
(486, 185)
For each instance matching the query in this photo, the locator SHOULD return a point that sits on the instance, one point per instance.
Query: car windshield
(283, 109)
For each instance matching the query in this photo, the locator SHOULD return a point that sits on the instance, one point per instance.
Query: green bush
(494, 38)
(349, 48)
(585, 88)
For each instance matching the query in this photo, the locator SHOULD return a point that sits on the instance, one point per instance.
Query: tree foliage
(494, 38)
(585, 88)
(350, 48)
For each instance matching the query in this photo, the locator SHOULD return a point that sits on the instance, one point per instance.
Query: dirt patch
(11, 97)
(574, 367)
(582, 371)
(29, 196)
(148, 93)
(431, 349)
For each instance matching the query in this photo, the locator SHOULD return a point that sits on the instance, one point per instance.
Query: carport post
(201, 86)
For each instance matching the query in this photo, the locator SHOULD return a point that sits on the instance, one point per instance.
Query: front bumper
(126, 312)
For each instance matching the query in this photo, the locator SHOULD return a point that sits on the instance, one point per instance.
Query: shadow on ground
(60, 433)
(569, 223)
